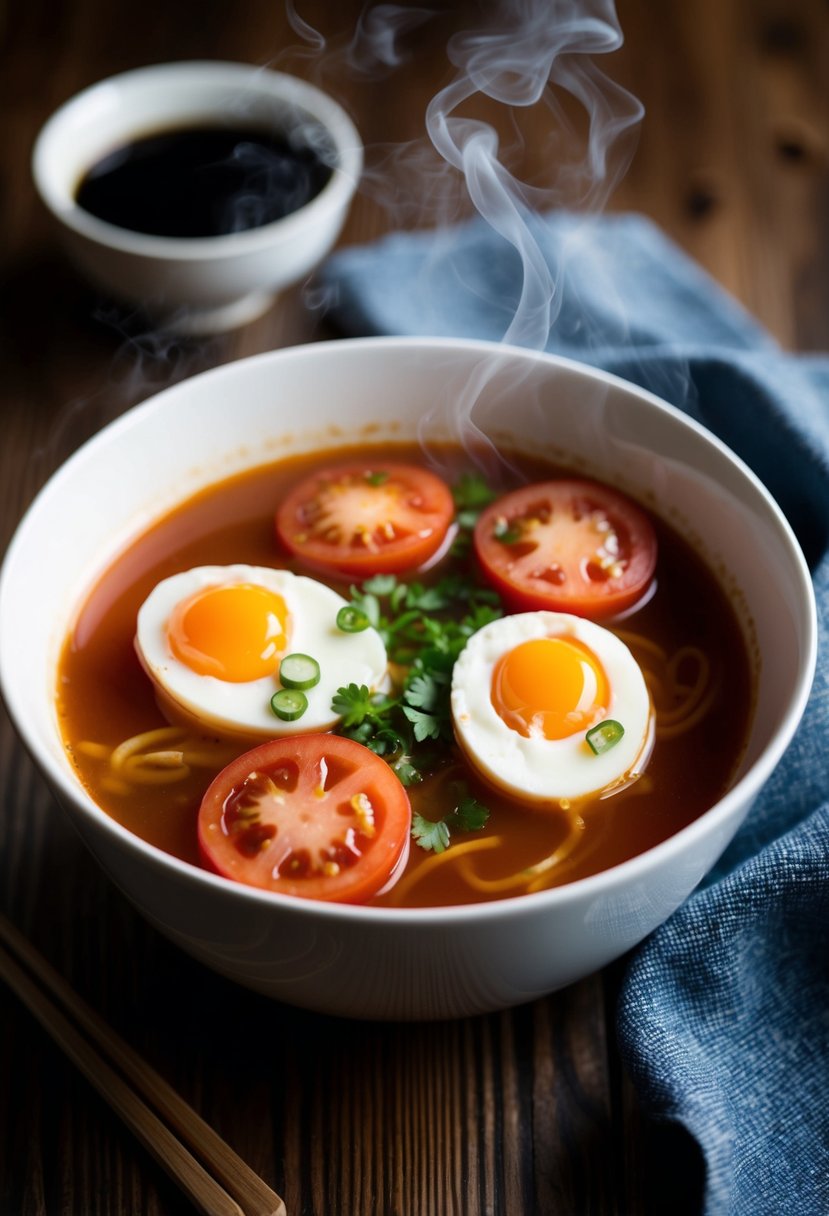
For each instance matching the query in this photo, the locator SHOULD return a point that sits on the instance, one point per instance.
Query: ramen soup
(344, 677)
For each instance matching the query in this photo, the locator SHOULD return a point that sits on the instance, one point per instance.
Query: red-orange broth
(104, 696)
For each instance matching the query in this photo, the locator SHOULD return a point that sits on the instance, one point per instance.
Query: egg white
(243, 709)
(539, 769)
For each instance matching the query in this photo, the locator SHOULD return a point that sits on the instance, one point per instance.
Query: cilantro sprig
(423, 633)
(435, 836)
(471, 494)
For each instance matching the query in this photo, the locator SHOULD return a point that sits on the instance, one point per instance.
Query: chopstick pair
(224, 1185)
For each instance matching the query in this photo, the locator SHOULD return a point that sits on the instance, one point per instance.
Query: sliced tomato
(363, 519)
(310, 815)
(567, 546)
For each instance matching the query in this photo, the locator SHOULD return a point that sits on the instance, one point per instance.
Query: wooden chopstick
(230, 1188)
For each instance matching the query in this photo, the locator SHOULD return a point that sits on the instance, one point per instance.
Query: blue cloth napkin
(723, 1017)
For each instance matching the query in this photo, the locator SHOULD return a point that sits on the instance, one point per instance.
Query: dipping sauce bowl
(199, 284)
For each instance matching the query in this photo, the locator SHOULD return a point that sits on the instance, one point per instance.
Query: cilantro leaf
(355, 704)
(424, 629)
(472, 492)
(427, 599)
(469, 815)
(434, 837)
(467, 519)
(367, 603)
(426, 726)
(471, 495)
(380, 584)
(352, 703)
(424, 690)
(406, 771)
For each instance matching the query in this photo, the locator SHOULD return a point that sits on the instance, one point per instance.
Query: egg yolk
(550, 688)
(235, 633)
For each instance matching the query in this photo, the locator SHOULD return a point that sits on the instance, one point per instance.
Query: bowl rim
(595, 885)
(259, 80)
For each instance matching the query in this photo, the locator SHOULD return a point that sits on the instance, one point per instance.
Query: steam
(374, 49)
(275, 179)
(376, 44)
(534, 49)
(524, 54)
(521, 56)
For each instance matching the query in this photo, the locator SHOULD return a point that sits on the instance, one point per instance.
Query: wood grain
(522, 1112)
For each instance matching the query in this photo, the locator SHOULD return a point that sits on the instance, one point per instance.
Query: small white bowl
(206, 284)
(381, 962)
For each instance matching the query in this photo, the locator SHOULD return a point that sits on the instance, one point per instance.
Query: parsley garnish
(423, 639)
(468, 816)
(471, 495)
(356, 704)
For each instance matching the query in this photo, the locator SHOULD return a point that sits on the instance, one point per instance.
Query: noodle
(533, 876)
(95, 751)
(164, 734)
(156, 760)
(130, 765)
(693, 715)
(679, 705)
(636, 641)
(142, 770)
(113, 785)
(694, 699)
(432, 863)
(209, 759)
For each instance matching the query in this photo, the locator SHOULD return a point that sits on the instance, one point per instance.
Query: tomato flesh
(316, 816)
(359, 519)
(567, 546)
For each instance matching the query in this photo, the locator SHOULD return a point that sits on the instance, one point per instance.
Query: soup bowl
(208, 284)
(404, 963)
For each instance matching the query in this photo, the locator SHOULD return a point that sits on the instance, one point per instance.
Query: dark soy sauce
(203, 181)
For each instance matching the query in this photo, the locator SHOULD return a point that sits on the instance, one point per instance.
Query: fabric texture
(723, 1017)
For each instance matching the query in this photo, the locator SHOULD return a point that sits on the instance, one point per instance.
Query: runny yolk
(550, 688)
(236, 632)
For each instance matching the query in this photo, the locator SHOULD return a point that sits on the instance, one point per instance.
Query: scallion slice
(289, 704)
(605, 735)
(351, 619)
(299, 671)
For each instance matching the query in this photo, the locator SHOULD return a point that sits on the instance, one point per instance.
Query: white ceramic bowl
(403, 963)
(200, 285)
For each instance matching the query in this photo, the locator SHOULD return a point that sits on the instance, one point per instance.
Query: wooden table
(522, 1112)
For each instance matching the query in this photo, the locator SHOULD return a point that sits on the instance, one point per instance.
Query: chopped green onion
(289, 704)
(351, 619)
(299, 671)
(604, 736)
(377, 479)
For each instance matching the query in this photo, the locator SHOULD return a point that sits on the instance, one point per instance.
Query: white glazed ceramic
(404, 963)
(200, 285)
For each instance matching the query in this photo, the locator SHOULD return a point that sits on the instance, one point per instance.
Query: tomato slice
(363, 519)
(311, 815)
(567, 546)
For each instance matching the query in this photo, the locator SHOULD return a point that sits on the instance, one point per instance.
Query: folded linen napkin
(723, 1017)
